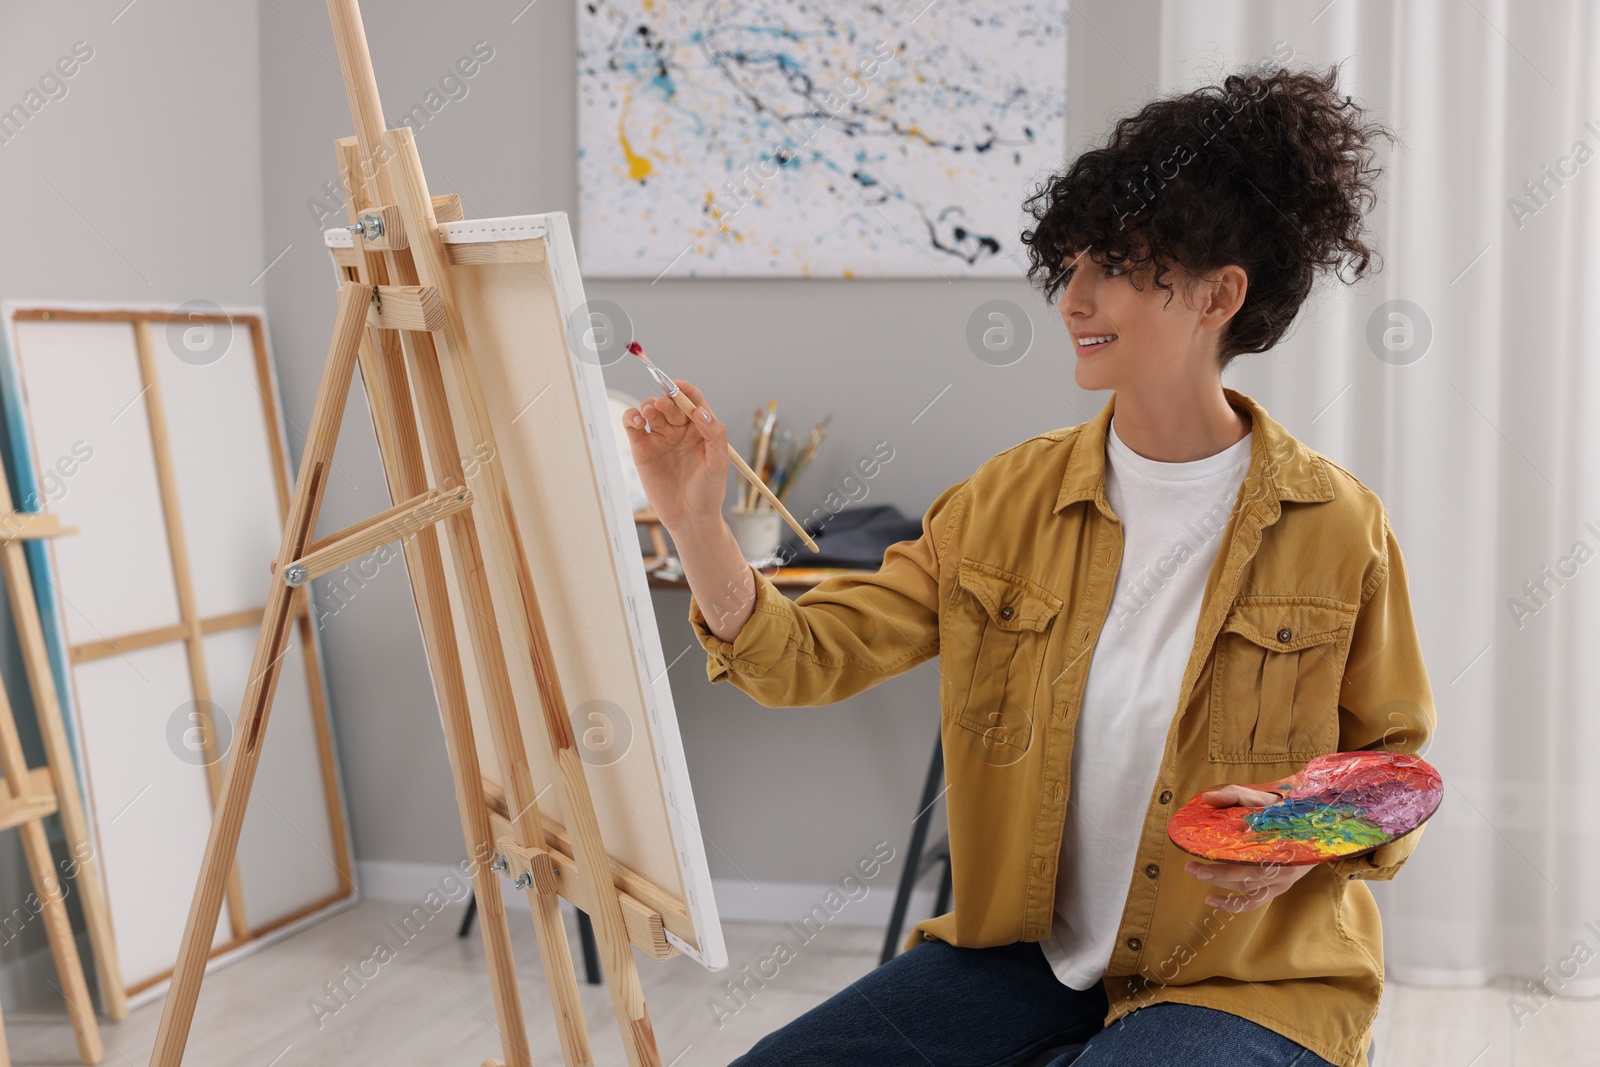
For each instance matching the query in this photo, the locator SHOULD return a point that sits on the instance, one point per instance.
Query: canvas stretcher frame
(160, 419)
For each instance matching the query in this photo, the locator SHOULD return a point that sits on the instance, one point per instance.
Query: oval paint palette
(1341, 805)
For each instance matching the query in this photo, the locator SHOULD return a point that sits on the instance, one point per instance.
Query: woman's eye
(1110, 270)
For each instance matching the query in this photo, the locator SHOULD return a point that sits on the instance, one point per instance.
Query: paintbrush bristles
(661, 378)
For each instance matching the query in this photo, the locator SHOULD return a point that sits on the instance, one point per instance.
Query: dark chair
(919, 861)
(591, 949)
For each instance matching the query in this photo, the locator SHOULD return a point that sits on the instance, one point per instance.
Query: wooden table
(785, 578)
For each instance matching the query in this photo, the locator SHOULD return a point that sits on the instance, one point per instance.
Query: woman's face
(1155, 339)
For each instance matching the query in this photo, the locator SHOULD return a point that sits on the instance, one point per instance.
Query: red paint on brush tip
(636, 348)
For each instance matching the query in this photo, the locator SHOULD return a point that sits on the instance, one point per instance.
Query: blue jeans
(937, 1005)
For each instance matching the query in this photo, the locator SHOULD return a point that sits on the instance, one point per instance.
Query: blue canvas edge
(16, 451)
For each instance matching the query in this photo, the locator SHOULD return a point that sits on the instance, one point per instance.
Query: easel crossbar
(36, 802)
(647, 928)
(406, 307)
(31, 526)
(397, 523)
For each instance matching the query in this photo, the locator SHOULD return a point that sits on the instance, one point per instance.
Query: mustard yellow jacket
(1305, 645)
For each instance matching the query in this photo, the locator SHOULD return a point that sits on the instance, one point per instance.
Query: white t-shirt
(1172, 515)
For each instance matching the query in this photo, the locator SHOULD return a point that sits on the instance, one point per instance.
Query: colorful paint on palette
(1341, 805)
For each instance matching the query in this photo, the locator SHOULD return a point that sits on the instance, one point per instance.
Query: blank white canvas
(152, 808)
(84, 389)
(222, 457)
(286, 850)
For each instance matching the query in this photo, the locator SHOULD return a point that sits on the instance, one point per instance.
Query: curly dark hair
(1272, 170)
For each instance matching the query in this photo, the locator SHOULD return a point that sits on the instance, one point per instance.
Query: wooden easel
(28, 796)
(400, 323)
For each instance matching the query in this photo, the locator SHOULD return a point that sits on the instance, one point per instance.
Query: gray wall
(142, 183)
(790, 795)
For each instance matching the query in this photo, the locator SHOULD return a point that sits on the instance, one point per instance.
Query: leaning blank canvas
(174, 472)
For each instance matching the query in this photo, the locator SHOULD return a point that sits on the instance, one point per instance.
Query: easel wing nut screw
(369, 226)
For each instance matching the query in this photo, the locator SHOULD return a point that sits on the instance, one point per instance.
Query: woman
(1175, 597)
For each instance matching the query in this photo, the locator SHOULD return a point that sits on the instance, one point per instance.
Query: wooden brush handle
(686, 406)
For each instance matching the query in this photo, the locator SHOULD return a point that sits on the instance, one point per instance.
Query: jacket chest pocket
(1277, 670)
(998, 625)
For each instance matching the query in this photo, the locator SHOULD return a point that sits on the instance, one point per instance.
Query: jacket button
(1134, 943)
(1151, 870)
(1285, 635)
(1006, 612)
(1166, 796)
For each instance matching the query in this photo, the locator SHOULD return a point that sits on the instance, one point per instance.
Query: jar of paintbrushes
(779, 457)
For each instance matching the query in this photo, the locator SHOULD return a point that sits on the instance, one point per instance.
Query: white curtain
(1486, 450)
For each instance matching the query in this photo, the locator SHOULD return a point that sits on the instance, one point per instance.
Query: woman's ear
(1226, 290)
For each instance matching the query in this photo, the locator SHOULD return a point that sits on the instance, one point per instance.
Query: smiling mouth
(1094, 343)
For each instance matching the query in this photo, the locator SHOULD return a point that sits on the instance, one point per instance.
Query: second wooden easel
(398, 320)
(29, 796)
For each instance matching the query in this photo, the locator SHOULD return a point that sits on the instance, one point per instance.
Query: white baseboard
(402, 882)
(737, 899)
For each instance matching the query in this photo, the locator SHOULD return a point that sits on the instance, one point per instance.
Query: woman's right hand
(684, 468)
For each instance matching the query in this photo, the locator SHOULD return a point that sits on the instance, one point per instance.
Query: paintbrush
(783, 453)
(685, 405)
(818, 432)
(760, 464)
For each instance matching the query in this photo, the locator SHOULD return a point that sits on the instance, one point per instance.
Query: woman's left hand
(1252, 885)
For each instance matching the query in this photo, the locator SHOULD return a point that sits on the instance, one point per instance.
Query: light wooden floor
(430, 1005)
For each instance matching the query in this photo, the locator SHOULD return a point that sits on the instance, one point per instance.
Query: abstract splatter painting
(803, 138)
(1341, 805)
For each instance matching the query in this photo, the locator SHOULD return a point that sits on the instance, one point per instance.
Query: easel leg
(84, 870)
(47, 887)
(622, 976)
(271, 646)
(489, 652)
(63, 946)
(383, 374)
